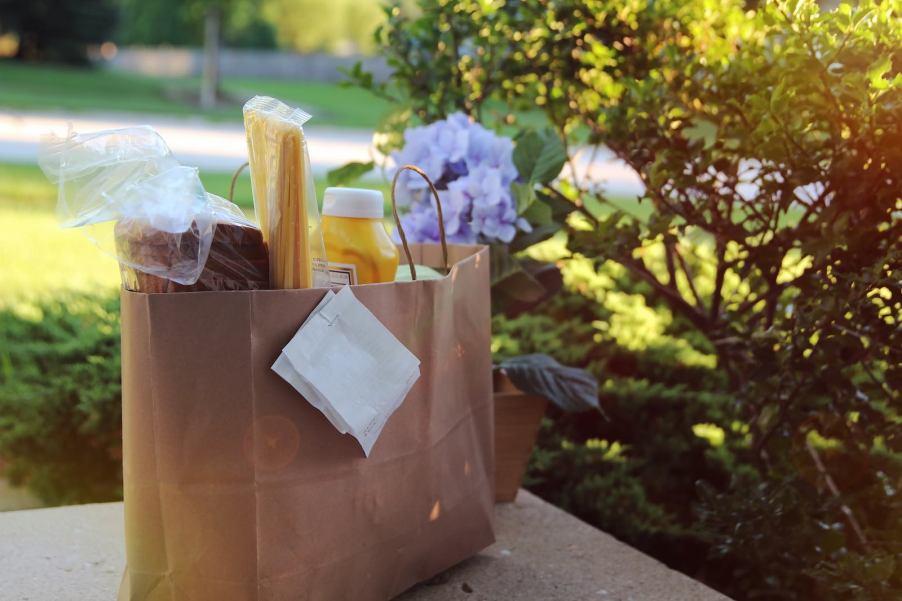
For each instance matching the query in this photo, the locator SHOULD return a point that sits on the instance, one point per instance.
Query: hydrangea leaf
(348, 173)
(539, 213)
(524, 195)
(539, 156)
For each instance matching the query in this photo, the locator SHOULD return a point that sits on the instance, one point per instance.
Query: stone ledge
(542, 554)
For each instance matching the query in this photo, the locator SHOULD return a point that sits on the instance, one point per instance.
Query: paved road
(221, 146)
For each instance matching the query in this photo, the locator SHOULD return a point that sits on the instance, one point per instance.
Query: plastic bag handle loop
(438, 207)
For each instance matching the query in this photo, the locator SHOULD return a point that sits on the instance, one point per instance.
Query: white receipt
(349, 366)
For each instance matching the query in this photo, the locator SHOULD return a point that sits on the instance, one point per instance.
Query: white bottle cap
(353, 202)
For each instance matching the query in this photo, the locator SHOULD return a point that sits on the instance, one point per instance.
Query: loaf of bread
(237, 260)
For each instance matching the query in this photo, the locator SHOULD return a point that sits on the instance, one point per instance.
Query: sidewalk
(210, 146)
(222, 146)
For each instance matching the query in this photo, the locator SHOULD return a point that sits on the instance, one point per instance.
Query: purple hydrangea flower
(473, 169)
(494, 213)
(420, 223)
(486, 148)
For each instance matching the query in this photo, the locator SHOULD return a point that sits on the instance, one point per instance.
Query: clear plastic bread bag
(128, 193)
(285, 193)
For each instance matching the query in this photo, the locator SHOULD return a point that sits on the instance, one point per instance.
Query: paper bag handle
(438, 208)
(235, 180)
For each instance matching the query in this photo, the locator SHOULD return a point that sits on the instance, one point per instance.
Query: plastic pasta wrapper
(284, 193)
(139, 205)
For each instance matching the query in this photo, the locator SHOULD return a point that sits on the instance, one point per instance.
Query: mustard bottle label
(342, 274)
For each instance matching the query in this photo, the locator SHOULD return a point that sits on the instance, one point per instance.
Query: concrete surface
(163, 61)
(542, 554)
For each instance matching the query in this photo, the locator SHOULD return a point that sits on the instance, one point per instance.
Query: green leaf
(524, 195)
(794, 7)
(570, 388)
(701, 130)
(860, 16)
(539, 213)
(878, 69)
(843, 16)
(510, 277)
(356, 76)
(348, 173)
(522, 287)
(539, 156)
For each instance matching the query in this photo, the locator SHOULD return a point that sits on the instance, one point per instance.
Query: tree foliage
(57, 30)
(324, 25)
(301, 25)
(181, 23)
(769, 144)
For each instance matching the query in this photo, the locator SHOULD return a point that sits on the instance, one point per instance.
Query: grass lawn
(40, 259)
(32, 87)
(25, 187)
(38, 88)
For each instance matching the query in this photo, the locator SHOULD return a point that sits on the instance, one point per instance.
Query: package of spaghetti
(133, 199)
(284, 193)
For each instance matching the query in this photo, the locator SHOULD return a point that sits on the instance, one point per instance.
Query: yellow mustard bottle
(358, 248)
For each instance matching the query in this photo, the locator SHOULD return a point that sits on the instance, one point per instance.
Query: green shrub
(766, 249)
(60, 404)
(631, 471)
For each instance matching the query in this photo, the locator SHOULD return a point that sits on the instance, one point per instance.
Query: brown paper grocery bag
(237, 489)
